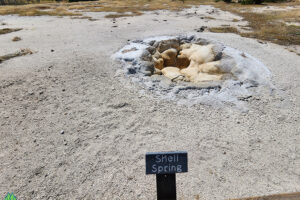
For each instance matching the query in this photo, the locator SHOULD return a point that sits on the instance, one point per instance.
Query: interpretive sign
(165, 165)
(166, 162)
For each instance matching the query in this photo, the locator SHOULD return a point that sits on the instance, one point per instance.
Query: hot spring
(190, 69)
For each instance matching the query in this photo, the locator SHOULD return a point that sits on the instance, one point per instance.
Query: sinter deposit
(193, 70)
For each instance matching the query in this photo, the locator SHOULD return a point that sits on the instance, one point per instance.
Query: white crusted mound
(193, 70)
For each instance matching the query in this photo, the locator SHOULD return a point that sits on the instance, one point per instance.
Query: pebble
(62, 132)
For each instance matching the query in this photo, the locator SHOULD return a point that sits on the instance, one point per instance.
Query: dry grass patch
(224, 30)
(270, 26)
(22, 52)
(290, 196)
(37, 10)
(128, 8)
(9, 30)
(15, 39)
(122, 8)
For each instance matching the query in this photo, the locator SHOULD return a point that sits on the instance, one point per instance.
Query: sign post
(165, 165)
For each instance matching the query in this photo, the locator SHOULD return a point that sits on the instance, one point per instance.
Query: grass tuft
(22, 52)
(9, 30)
(224, 30)
(15, 39)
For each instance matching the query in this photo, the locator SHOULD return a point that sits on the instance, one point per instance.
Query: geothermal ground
(73, 127)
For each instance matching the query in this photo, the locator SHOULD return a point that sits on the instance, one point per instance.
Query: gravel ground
(71, 129)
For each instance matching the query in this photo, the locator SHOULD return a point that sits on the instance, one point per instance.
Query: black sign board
(166, 162)
(165, 165)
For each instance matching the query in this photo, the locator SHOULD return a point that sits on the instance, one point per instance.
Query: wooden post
(166, 186)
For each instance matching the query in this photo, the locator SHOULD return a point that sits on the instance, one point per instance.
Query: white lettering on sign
(166, 158)
(166, 162)
(161, 166)
(166, 168)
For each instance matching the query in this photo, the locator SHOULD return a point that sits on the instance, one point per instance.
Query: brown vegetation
(15, 39)
(290, 196)
(224, 30)
(121, 8)
(22, 52)
(37, 10)
(270, 26)
(9, 30)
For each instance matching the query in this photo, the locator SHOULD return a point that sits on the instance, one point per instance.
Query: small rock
(128, 59)
(168, 44)
(147, 67)
(201, 29)
(151, 50)
(261, 42)
(190, 38)
(131, 70)
(146, 56)
(147, 73)
(137, 41)
(52, 50)
(62, 132)
(151, 43)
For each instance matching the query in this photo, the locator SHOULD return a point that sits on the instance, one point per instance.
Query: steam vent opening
(192, 69)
